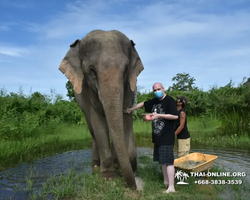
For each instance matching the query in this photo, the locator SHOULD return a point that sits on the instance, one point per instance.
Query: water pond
(14, 181)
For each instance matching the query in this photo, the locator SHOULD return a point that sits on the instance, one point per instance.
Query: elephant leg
(102, 143)
(130, 140)
(95, 153)
(114, 155)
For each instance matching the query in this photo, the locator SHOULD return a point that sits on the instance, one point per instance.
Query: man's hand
(128, 110)
(154, 116)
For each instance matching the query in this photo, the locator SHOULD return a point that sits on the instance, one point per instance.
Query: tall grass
(65, 138)
(36, 125)
(29, 116)
(208, 131)
(204, 130)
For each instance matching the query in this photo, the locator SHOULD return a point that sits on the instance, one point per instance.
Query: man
(183, 135)
(164, 112)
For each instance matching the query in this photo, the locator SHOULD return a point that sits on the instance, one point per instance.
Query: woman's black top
(184, 134)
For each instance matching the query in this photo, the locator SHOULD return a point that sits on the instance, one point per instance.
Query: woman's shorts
(164, 154)
(183, 147)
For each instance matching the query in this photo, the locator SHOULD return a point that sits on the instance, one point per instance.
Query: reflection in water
(80, 161)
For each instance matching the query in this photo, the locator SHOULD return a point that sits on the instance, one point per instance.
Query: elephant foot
(108, 175)
(108, 179)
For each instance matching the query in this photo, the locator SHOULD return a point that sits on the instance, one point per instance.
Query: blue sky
(209, 39)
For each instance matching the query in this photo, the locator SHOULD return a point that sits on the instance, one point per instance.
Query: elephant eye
(92, 71)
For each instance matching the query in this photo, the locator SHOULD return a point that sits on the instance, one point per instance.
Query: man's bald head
(156, 86)
(158, 90)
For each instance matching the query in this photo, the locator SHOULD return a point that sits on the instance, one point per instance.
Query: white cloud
(4, 28)
(13, 51)
(184, 36)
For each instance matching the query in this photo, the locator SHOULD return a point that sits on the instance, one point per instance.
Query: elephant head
(103, 69)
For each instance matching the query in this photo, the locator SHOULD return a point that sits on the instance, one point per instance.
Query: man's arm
(164, 116)
(182, 123)
(130, 110)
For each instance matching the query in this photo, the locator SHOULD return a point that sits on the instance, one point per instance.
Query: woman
(183, 136)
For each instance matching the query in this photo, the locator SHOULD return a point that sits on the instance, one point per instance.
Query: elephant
(103, 68)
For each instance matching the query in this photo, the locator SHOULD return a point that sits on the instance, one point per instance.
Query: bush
(24, 116)
(28, 116)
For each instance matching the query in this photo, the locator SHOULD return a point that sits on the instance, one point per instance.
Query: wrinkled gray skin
(103, 69)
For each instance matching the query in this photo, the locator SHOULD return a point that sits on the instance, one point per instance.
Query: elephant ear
(71, 66)
(75, 43)
(136, 67)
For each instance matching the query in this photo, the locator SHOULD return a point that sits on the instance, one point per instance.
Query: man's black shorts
(164, 154)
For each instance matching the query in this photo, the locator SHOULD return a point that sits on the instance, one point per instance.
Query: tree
(70, 90)
(184, 82)
(247, 82)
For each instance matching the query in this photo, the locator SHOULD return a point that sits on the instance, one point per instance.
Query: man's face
(158, 87)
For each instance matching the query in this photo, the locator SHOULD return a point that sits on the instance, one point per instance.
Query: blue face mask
(158, 94)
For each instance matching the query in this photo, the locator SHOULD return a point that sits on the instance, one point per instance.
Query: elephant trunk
(113, 108)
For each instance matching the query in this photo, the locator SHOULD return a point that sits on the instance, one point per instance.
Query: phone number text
(218, 182)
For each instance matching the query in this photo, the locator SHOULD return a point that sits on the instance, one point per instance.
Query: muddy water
(233, 160)
(13, 182)
(188, 164)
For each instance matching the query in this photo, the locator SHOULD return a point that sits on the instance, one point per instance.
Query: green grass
(66, 138)
(92, 186)
(205, 131)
